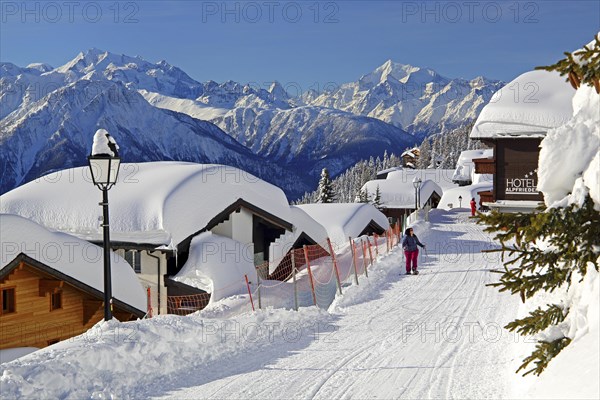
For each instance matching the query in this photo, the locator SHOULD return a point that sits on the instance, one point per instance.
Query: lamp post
(417, 185)
(459, 201)
(104, 166)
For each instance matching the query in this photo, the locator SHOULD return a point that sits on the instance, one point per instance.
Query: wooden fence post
(249, 292)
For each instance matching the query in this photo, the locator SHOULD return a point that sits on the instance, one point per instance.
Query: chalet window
(8, 300)
(56, 301)
(133, 257)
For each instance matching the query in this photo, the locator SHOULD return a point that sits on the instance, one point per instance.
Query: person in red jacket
(473, 207)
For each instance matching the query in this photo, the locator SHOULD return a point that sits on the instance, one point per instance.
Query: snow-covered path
(436, 335)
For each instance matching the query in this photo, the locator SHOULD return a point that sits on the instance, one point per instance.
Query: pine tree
(571, 237)
(425, 155)
(377, 198)
(326, 192)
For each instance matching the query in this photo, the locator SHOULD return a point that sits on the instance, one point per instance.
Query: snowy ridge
(318, 129)
(412, 98)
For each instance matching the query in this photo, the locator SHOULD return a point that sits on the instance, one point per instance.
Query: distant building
(52, 285)
(410, 158)
(398, 193)
(513, 124)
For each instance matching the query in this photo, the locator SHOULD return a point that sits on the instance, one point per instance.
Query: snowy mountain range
(157, 112)
(418, 100)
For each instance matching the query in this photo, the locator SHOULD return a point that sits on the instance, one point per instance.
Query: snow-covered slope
(437, 335)
(412, 98)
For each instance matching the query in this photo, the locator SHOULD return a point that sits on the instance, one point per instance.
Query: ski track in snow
(436, 335)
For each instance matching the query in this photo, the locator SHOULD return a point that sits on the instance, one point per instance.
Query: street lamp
(459, 201)
(104, 165)
(417, 185)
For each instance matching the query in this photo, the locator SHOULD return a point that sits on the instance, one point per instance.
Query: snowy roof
(305, 223)
(388, 170)
(343, 220)
(157, 203)
(396, 193)
(528, 106)
(68, 255)
(465, 168)
(442, 177)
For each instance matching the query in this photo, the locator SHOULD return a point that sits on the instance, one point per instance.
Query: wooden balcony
(485, 165)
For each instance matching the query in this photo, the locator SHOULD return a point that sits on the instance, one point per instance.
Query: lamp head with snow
(104, 160)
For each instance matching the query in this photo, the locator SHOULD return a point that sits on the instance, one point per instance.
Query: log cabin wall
(33, 323)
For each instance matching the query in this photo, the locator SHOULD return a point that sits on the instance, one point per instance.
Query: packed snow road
(435, 335)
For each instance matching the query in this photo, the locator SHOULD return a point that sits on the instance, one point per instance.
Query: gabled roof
(43, 268)
(74, 260)
(342, 220)
(153, 203)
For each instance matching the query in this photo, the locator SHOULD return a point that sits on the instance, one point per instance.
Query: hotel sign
(526, 185)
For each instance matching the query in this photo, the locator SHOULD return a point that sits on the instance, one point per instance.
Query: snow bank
(529, 105)
(450, 197)
(217, 262)
(74, 257)
(159, 201)
(143, 358)
(569, 156)
(7, 355)
(574, 372)
(344, 220)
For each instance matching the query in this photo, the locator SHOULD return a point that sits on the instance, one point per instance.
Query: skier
(410, 241)
(473, 207)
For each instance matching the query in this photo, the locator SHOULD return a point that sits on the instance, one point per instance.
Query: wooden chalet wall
(33, 323)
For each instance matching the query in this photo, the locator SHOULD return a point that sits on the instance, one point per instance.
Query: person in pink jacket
(410, 241)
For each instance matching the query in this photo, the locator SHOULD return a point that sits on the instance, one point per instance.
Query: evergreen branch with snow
(542, 252)
(581, 66)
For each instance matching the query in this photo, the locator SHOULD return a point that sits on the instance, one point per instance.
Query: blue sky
(307, 43)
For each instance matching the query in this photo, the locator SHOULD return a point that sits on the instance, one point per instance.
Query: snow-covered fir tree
(377, 198)
(326, 191)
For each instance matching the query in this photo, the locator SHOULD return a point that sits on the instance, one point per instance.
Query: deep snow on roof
(74, 257)
(155, 202)
(342, 220)
(442, 177)
(396, 193)
(528, 106)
